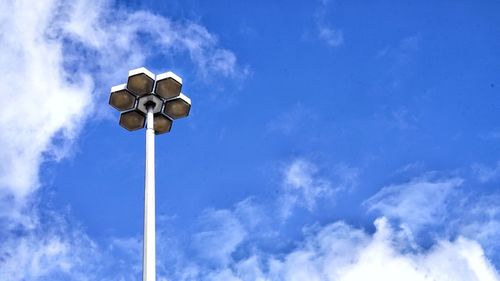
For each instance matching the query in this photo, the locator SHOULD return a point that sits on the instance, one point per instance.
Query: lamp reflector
(162, 124)
(168, 85)
(140, 81)
(132, 120)
(178, 107)
(121, 99)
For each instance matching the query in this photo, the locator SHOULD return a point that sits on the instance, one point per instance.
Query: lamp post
(154, 101)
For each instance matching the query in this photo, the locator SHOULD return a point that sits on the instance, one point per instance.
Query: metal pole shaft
(149, 255)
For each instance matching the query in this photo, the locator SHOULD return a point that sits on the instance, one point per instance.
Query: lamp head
(144, 90)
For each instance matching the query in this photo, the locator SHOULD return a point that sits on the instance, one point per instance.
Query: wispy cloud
(418, 203)
(441, 206)
(47, 249)
(326, 32)
(398, 59)
(304, 185)
(491, 135)
(292, 121)
(221, 234)
(485, 173)
(331, 36)
(402, 52)
(479, 219)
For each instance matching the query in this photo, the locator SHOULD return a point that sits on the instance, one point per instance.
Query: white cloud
(332, 36)
(398, 60)
(39, 101)
(47, 250)
(339, 252)
(491, 135)
(293, 121)
(303, 185)
(403, 52)
(347, 177)
(222, 233)
(479, 219)
(418, 203)
(377, 257)
(485, 173)
(441, 207)
(54, 247)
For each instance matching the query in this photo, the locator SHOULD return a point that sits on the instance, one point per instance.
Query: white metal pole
(149, 255)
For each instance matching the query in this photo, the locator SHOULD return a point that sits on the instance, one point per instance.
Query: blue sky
(328, 140)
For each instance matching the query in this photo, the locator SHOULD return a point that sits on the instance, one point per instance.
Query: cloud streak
(304, 185)
(441, 207)
(417, 203)
(332, 36)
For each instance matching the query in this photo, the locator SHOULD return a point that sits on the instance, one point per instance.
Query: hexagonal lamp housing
(121, 98)
(132, 120)
(162, 123)
(168, 85)
(178, 107)
(149, 99)
(140, 81)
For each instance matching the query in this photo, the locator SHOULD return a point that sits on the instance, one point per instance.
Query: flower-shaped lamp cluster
(144, 90)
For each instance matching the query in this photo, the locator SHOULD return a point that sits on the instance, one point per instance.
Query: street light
(154, 102)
